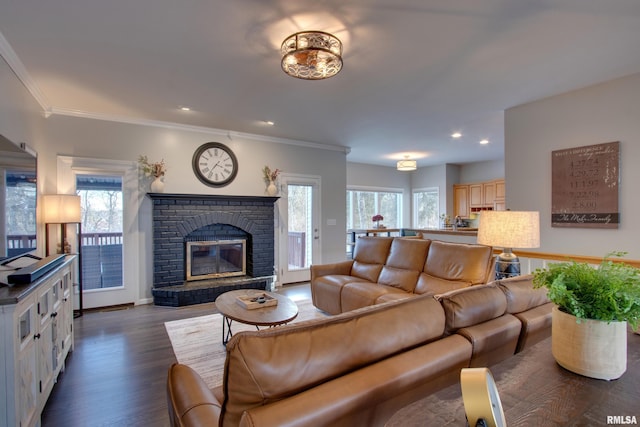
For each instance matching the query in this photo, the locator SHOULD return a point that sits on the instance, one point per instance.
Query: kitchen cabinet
(36, 330)
(461, 200)
(499, 203)
(478, 196)
(488, 193)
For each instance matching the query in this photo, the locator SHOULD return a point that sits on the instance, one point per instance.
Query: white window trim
(68, 167)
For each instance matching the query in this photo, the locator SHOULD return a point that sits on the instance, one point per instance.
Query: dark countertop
(14, 294)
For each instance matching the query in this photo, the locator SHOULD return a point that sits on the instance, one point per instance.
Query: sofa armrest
(341, 268)
(189, 400)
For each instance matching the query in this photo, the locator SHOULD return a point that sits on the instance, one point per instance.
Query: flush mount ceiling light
(406, 164)
(311, 55)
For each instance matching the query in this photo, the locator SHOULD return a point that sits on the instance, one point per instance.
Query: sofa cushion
(369, 256)
(259, 368)
(471, 306)
(394, 296)
(399, 278)
(327, 292)
(189, 399)
(365, 271)
(372, 250)
(520, 293)
(492, 341)
(459, 262)
(371, 395)
(430, 285)
(536, 325)
(362, 294)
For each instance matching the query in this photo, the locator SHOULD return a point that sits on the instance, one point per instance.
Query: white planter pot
(592, 348)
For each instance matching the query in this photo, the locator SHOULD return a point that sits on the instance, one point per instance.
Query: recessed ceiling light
(185, 108)
(456, 135)
(269, 123)
(484, 141)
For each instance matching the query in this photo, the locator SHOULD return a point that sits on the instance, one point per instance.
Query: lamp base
(507, 265)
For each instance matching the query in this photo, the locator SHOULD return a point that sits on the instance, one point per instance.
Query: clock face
(215, 164)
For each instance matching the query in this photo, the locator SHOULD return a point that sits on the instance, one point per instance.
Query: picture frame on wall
(585, 186)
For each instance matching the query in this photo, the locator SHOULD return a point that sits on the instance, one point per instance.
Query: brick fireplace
(179, 219)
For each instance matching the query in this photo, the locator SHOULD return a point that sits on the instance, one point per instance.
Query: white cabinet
(37, 334)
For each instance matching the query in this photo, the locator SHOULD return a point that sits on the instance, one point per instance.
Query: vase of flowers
(377, 218)
(155, 170)
(270, 178)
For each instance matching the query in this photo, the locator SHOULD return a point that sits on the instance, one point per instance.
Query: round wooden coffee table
(284, 312)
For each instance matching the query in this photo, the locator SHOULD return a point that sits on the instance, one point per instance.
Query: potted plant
(593, 306)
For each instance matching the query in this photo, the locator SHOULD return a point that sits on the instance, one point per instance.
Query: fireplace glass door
(216, 258)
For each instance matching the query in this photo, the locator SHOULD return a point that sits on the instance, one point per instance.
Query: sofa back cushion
(459, 262)
(408, 254)
(369, 256)
(471, 306)
(521, 296)
(404, 263)
(273, 364)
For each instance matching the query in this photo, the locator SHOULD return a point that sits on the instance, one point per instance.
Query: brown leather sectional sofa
(362, 366)
(385, 269)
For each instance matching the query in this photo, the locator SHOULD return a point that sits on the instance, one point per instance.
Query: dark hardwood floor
(117, 372)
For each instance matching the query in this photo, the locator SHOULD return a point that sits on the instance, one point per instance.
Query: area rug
(197, 341)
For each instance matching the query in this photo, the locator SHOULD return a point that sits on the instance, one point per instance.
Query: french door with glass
(299, 232)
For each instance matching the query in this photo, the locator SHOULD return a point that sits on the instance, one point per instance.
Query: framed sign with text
(584, 186)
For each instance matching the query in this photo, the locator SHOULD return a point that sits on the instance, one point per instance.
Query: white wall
(602, 113)
(481, 171)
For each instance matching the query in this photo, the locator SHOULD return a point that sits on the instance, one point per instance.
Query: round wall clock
(215, 164)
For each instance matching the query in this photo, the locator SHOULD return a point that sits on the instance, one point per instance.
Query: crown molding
(7, 52)
(9, 55)
(192, 128)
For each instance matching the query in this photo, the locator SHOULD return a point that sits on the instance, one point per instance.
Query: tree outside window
(362, 205)
(426, 208)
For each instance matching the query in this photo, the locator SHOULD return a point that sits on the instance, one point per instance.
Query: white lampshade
(509, 229)
(407, 165)
(61, 208)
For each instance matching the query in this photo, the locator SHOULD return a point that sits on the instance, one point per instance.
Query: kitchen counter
(458, 235)
(465, 231)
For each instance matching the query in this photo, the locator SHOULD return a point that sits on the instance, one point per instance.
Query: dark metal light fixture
(311, 55)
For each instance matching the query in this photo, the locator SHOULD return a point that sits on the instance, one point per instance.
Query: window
(425, 208)
(101, 246)
(362, 205)
(20, 194)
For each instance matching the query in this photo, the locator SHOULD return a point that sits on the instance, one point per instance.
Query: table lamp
(508, 230)
(64, 209)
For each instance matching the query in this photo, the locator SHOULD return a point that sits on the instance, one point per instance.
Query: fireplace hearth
(204, 245)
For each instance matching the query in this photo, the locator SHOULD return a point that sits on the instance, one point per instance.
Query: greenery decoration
(610, 292)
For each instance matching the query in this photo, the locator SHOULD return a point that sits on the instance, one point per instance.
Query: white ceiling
(414, 70)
